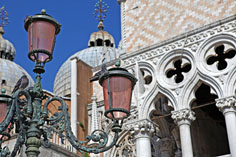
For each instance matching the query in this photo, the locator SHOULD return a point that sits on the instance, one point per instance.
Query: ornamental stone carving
(126, 147)
(141, 128)
(226, 104)
(220, 56)
(184, 116)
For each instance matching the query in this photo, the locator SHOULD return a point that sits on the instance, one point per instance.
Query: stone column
(183, 119)
(74, 95)
(228, 108)
(141, 131)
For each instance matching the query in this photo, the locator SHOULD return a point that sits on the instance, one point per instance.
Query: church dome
(101, 50)
(7, 50)
(93, 56)
(10, 73)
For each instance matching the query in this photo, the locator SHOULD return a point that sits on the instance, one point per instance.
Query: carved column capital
(184, 116)
(226, 104)
(141, 128)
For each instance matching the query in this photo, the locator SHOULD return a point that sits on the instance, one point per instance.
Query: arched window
(99, 42)
(92, 44)
(107, 42)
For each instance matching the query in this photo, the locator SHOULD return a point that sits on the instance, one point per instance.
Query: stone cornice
(184, 116)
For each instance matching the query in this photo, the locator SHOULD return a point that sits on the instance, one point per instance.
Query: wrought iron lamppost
(33, 119)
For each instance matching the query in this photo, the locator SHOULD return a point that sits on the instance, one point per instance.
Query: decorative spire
(4, 19)
(100, 13)
(94, 125)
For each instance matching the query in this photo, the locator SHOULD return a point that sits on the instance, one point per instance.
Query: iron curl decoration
(22, 113)
(16, 114)
(61, 122)
(35, 124)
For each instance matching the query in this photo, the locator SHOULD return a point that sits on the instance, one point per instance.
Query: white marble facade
(184, 100)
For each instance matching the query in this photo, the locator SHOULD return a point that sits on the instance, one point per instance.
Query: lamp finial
(3, 91)
(43, 11)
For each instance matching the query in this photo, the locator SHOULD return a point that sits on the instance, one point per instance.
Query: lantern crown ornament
(36, 124)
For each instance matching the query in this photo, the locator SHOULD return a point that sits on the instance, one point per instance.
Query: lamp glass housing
(3, 111)
(117, 90)
(4, 100)
(41, 36)
(42, 30)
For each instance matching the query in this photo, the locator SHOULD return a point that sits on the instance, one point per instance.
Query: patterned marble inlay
(150, 21)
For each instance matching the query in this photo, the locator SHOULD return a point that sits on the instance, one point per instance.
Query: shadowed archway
(209, 136)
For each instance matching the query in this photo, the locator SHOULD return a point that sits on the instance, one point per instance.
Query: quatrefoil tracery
(220, 55)
(147, 76)
(178, 70)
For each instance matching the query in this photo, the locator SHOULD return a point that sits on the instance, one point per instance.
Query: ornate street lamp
(35, 123)
(117, 86)
(42, 30)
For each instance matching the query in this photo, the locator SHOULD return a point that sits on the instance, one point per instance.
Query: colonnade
(142, 129)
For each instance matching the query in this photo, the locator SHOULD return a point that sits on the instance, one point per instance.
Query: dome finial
(1, 32)
(100, 13)
(100, 26)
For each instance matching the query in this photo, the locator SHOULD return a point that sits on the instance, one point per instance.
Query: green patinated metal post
(33, 141)
(33, 134)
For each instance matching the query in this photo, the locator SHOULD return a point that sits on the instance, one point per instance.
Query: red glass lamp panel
(41, 35)
(3, 110)
(121, 90)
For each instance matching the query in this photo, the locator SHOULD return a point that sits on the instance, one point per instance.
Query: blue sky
(77, 20)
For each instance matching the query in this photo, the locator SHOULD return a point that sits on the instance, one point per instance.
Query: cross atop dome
(101, 37)
(3, 17)
(100, 13)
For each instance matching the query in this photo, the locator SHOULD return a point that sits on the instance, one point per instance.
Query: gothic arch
(230, 84)
(148, 105)
(190, 88)
(147, 80)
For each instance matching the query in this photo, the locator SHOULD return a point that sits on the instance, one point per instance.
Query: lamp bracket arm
(16, 112)
(58, 115)
(61, 122)
(22, 99)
